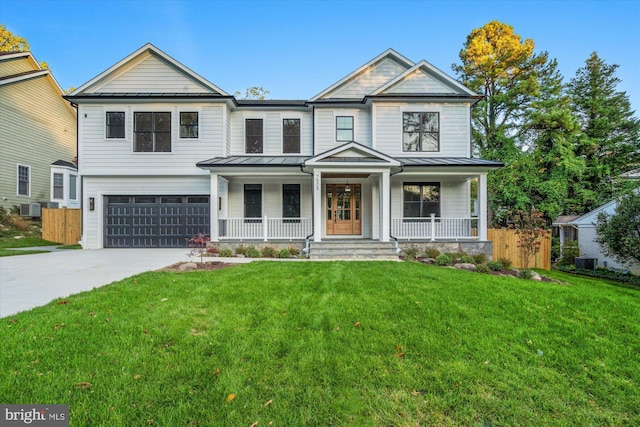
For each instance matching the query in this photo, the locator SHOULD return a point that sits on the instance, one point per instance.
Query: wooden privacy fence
(505, 245)
(62, 225)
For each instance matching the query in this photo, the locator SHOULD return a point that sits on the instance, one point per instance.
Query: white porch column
(317, 206)
(385, 206)
(482, 207)
(213, 208)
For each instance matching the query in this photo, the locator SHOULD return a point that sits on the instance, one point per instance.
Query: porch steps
(353, 250)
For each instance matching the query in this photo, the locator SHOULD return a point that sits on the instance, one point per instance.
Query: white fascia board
(389, 52)
(315, 160)
(429, 69)
(151, 48)
(24, 77)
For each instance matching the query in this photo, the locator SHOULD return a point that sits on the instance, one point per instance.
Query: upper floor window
(420, 131)
(188, 125)
(115, 124)
(291, 136)
(24, 180)
(152, 132)
(58, 186)
(421, 199)
(253, 136)
(344, 128)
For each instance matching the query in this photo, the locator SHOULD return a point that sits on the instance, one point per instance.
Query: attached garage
(154, 221)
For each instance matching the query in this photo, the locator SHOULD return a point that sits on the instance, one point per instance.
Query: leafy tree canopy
(10, 42)
(253, 92)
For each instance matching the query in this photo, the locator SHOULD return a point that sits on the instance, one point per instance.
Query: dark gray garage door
(154, 221)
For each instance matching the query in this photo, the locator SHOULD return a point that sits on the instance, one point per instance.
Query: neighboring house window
(291, 202)
(252, 201)
(253, 136)
(58, 186)
(420, 131)
(24, 180)
(421, 199)
(291, 136)
(344, 128)
(188, 125)
(73, 187)
(152, 132)
(115, 124)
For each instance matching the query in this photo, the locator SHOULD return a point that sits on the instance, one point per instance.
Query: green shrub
(506, 263)
(3, 214)
(555, 248)
(411, 252)
(482, 268)
(480, 258)
(241, 250)
(444, 259)
(226, 253)
(525, 274)
(213, 250)
(284, 253)
(494, 265)
(294, 251)
(432, 253)
(467, 259)
(252, 252)
(603, 273)
(268, 252)
(569, 253)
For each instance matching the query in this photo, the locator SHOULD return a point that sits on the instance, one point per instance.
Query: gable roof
(352, 152)
(142, 54)
(387, 54)
(431, 77)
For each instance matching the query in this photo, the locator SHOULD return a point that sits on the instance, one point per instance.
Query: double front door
(344, 214)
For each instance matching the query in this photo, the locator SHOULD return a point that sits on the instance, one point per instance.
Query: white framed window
(73, 187)
(58, 186)
(291, 135)
(23, 180)
(189, 125)
(253, 135)
(345, 128)
(421, 131)
(152, 132)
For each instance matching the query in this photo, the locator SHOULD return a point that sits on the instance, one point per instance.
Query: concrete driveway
(28, 281)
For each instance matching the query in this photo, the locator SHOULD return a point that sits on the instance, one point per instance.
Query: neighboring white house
(383, 153)
(586, 234)
(37, 128)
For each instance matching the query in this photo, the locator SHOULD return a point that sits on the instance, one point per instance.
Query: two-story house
(37, 137)
(383, 154)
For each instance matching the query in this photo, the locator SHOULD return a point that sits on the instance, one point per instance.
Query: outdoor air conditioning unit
(50, 205)
(30, 209)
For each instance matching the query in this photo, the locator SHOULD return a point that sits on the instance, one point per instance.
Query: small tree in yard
(199, 244)
(530, 228)
(619, 234)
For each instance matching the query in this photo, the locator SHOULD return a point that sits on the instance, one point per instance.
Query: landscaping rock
(239, 256)
(188, 266)
(427, 260)
(465, 266)
(18, 237)
(535, 276)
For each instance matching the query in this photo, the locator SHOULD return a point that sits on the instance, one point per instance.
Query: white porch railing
(434, 228)
(264, 228)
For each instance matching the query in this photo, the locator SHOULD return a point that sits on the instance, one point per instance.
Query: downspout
(308, 238)
(395, 239)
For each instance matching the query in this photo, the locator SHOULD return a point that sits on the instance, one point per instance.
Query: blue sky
(296, 49)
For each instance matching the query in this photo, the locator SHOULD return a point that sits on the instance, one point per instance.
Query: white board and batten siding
(102, 156)
(420, 82)
(325, 127)
(98, 187)
(149, 74)
(369, 80)
(272, 122)
(454, 128)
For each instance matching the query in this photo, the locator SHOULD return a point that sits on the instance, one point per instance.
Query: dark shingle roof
(64, 163)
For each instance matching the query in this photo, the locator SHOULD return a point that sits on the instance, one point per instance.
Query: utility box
(586, 263)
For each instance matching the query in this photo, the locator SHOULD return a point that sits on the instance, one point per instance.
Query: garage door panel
(154, 221)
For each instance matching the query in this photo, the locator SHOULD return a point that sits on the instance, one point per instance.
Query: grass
(13, 252)
(341, 343)
(26, 242)
(75, 246)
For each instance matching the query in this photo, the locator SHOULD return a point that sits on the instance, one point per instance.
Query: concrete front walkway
(28, 281)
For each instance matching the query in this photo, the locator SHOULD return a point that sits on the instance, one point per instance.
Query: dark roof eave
(146, 96)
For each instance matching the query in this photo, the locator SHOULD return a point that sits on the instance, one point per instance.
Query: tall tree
(497, 63)
(253, 92)
(10, 42)
(610, 140)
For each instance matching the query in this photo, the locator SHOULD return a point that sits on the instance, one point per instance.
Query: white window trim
(345, 112)
(421, 108)
(189, 110)
(18, 165)
(116, 109)
(64, 185)
(254, 116)
(69, 186)
(172, 133)
(284, 117)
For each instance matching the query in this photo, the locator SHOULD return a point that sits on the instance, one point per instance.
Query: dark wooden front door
(344, 215)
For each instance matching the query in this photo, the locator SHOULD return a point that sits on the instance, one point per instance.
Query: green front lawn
(14, 252)
(26, 242)
(339, 343)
